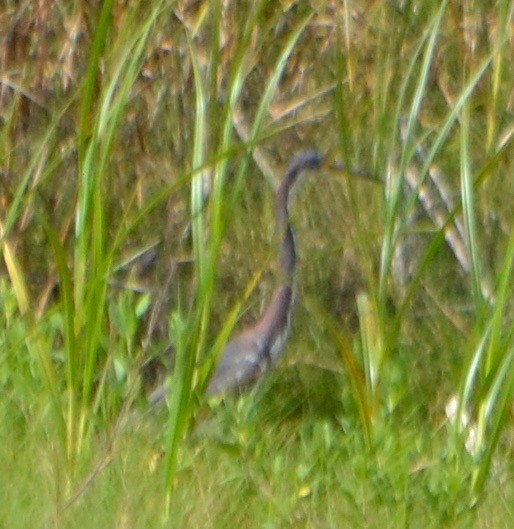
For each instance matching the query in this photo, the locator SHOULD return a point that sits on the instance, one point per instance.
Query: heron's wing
(158, 395)
(249, 354)
(242, 361)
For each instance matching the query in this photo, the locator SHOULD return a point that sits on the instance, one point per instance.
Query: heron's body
(253, 351)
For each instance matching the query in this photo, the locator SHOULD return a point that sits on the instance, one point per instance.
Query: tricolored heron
(258, 347)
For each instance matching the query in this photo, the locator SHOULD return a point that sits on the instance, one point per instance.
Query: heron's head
(312, 160)
(307, 160)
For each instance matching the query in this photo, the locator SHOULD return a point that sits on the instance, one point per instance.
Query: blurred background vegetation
(140, 149)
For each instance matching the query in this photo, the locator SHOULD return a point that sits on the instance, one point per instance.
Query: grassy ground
(140, 150)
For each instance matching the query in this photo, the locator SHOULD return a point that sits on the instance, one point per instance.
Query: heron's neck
(287, 252)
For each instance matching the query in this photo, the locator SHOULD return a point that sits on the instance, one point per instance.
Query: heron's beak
(340, 169)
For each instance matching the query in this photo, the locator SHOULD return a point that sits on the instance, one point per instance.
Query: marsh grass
(159, 120)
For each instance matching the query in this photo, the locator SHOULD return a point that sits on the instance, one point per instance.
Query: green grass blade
(468, 206)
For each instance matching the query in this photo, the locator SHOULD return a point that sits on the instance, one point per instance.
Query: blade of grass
(70, 345)
(188, 347)
(498, 378)
(371, 343)
(439, 237)
(15, 272)
(468, 207)
(92, 260)
(394, 189)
